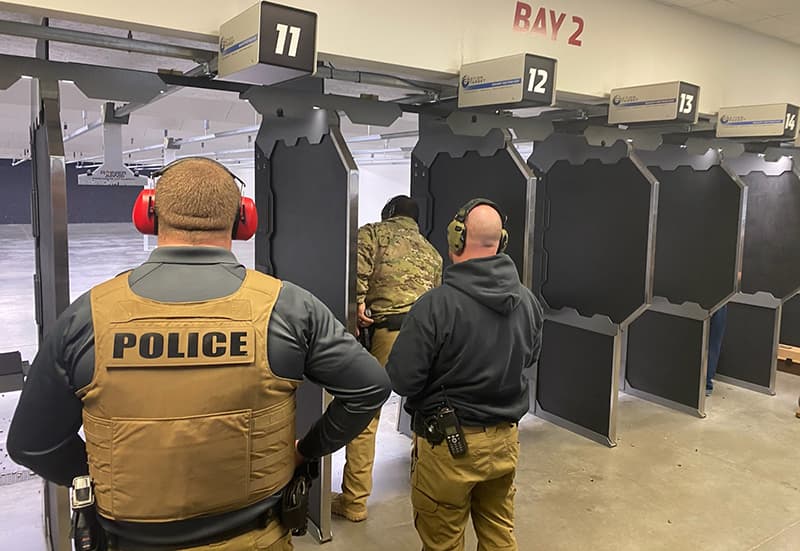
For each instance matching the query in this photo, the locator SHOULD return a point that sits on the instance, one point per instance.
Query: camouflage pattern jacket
(396, 265)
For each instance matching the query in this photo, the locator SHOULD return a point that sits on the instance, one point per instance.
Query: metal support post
(51, 280)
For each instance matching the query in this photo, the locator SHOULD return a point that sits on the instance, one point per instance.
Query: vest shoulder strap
(112, 286)
(263, 283)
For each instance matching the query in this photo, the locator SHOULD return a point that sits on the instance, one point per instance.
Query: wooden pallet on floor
(790, 356)
(786, 352)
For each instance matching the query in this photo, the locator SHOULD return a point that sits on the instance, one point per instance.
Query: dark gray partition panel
(596, 231)
(306, 196)
(771, 255)
(771, 260)
(11, 371)
(790, 322)
(750, 346)
(573, 382)
(602, 212)
(697, 235)
(594, 235)
(697, 253)
(770, 266)
(666, 358)
(313, 179)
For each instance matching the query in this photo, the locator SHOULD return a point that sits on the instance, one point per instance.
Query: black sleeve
(44, 431)
(415, 349)
(333, 359)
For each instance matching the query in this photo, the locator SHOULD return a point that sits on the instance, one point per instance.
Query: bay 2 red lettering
(522, 23)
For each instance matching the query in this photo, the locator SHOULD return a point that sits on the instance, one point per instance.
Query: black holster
(365, 337)
(427, 428)
(86, 532)
(294, 504)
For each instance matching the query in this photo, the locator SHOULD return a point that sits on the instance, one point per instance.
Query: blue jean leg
(716, 332)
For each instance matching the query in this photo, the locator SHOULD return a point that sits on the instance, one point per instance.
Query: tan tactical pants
(446, 490)
(273, 537)
(360, 453)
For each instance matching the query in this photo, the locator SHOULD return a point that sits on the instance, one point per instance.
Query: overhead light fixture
(315, 107)
(26, 77)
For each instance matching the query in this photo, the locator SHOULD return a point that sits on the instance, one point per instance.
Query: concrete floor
(730, 482)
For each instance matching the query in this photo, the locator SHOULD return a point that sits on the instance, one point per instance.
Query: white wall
(625, 42)
(377, 184)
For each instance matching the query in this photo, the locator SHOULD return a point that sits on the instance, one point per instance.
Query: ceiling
(194, 112)
(776, 18)
(189, 112)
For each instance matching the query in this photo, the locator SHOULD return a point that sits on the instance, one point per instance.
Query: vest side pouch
(179, 468)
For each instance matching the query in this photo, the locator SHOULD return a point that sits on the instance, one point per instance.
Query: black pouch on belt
(86, 532)
(392, 322)
(294, 505)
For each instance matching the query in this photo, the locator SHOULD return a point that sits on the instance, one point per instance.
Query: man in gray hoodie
(463, 358)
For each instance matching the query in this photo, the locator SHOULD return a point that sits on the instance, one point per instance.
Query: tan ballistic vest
(184, 417)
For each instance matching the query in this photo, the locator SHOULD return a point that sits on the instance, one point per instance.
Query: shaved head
(484, 231)
(484, 227)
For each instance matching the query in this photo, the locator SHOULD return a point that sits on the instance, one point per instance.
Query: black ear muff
(457, 230)
(389, 209)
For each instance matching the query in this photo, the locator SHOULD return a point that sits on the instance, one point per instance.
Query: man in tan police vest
(183, 373)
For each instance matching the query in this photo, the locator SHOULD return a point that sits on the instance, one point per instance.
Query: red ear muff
(145, 219)
(144, 212)
(246, 223)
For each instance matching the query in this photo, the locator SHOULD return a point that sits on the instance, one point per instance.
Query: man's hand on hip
(363, 320)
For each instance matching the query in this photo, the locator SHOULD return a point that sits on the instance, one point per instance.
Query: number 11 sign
(267, 44)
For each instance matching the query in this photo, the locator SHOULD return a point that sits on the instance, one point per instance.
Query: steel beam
(198, 71)
(28, 30)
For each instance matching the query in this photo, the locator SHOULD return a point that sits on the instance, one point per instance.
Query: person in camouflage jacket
(396, 265)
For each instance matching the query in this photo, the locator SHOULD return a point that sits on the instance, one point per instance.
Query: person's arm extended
(414, 350)
(338, 363)
(44, 431)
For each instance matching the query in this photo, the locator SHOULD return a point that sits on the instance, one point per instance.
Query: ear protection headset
(457, 230)
(389, 210)
(146, 220)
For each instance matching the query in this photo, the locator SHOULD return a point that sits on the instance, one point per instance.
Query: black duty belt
(392, 322)
(259, 523)
(420, 426)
